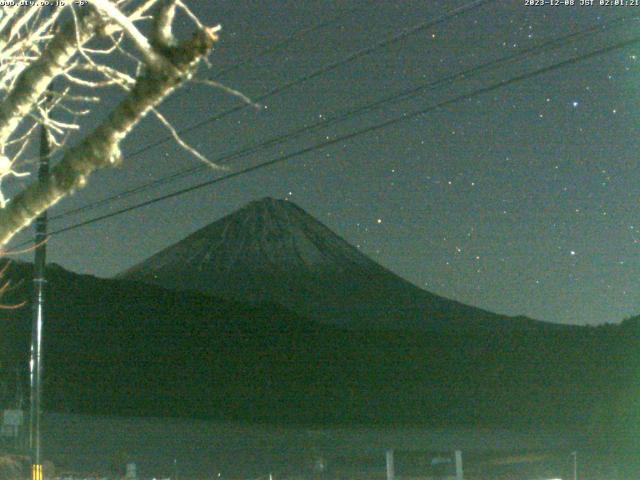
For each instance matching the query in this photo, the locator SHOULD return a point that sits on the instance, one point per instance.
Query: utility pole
(575, 465)
(39, 283)
(391, 471)
(459, 472)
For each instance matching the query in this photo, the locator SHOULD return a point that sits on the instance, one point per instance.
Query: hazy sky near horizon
(521, 200)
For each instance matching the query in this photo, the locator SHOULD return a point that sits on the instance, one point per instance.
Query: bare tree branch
(183, 144)
(35, 79)
(85, 56)
(101, 148)
(153, 59)
(26, 71)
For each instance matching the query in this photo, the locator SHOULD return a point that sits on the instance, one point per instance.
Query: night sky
(523, 200)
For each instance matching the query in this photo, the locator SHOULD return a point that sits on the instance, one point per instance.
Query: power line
(325, 69)
(543, 47)
(284, 43)
(356, 133)
(456, 12)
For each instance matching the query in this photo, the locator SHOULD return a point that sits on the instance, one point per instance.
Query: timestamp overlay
(43, 3)
(581, 3)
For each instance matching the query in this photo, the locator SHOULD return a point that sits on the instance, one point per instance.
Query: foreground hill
(273, 251)
(121, 347)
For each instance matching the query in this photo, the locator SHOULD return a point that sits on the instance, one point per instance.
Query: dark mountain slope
(121, 347)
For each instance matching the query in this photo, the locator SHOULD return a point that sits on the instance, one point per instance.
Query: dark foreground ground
(99, 448)
(178, 448)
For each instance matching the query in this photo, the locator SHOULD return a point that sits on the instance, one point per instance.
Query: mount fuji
(273, 251)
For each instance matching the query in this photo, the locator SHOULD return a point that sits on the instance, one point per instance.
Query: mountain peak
(268, 201)
(271, 207)
(272, 250)
(267, 235)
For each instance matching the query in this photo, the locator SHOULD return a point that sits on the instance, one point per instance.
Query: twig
(185, 145)
(229, 90)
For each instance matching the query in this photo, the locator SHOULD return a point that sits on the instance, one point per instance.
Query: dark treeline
(117, 347)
